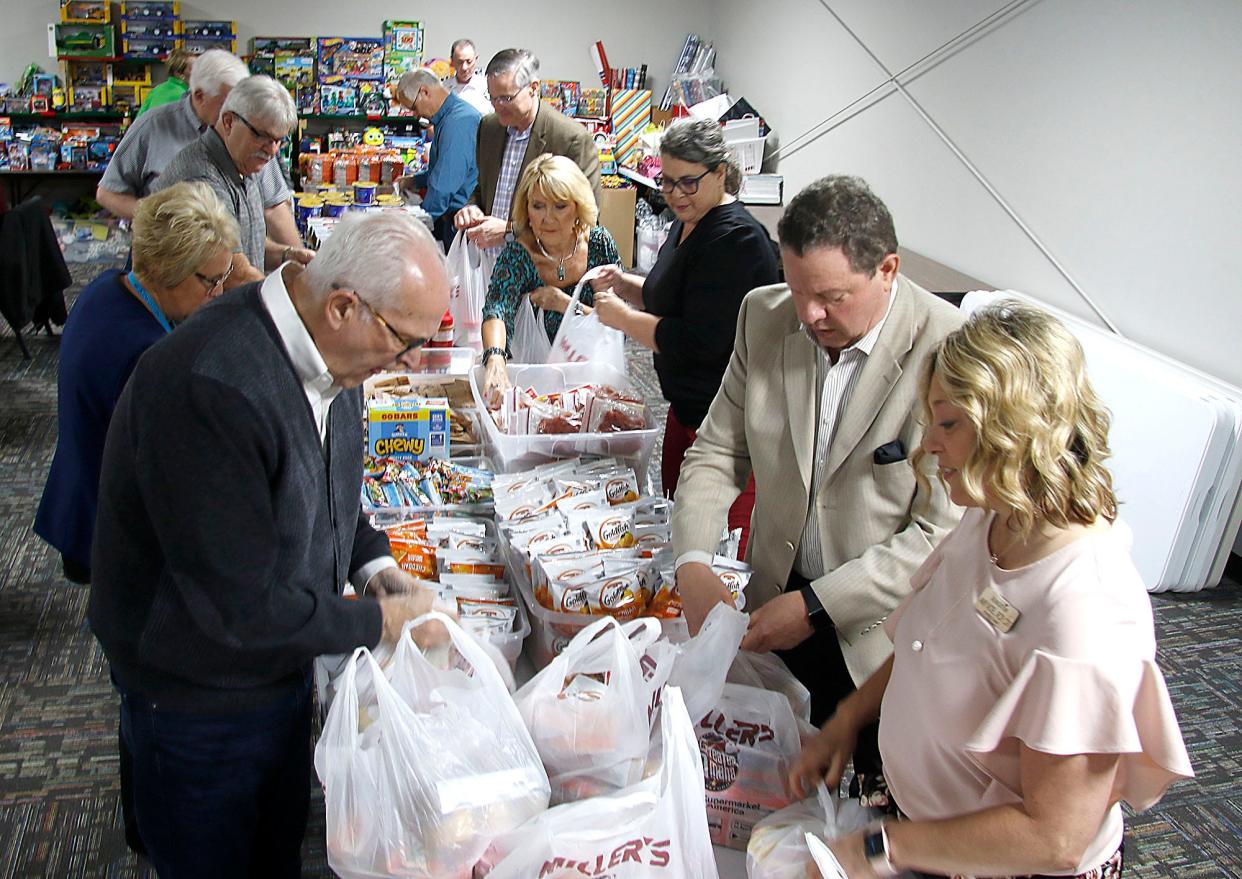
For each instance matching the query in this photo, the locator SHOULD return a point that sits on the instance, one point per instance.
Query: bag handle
(575, 301)
(484, 669)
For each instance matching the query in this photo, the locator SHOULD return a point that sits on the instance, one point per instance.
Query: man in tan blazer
(820, 401)
(522, 128)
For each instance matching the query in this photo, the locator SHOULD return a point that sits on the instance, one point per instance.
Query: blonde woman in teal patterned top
(556, 242)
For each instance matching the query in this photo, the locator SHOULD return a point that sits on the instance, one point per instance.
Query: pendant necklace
(560, 268)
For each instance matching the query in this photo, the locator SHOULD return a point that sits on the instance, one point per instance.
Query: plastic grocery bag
(749, 743)
(470, 273)
(530, 339)
(418, 781)
(654, 829)
(778, 846)
(582, 337)
(590, 710)
(702, 662)
(767, 671)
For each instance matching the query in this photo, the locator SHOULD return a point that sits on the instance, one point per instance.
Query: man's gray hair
(701, 142)
(520, 62)
(370, 253)
(216, 70)
(840, 211)
(457, 44)
(411, 81)
(262, 101)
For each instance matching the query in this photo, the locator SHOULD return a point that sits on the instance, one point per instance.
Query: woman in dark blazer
(686, 309)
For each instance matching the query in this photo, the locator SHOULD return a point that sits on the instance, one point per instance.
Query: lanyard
(150, 301)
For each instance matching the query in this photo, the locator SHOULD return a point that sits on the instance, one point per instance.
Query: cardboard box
(414, 428)
(616, 214)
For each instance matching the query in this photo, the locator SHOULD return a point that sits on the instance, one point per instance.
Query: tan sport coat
(551, 132)
(876, 529)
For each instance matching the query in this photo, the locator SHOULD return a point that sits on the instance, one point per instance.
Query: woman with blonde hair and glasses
(1022, 702)
(183, 249)
(557, 242)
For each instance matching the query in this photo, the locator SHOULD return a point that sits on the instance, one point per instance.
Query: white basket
(511, 454)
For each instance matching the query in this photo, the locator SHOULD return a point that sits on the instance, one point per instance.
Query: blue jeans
(221, 794)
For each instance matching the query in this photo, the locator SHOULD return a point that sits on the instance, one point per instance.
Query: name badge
(996, 610)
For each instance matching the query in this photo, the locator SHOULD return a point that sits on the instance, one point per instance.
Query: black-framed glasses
(407, 345)
(261, 135)
(688, 185)
(217, 281)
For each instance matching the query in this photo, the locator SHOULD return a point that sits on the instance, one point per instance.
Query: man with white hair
(451, 170)
(467, 82)
(228, 523)
(160, 133)
(521, 129)
(256, 118)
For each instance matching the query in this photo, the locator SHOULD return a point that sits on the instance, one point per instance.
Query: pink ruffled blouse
(1076, 674)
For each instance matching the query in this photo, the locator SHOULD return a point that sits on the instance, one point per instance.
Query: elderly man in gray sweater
(229, 520)
(254, 122)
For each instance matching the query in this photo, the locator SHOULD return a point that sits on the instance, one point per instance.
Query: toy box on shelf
(350, 59)
(593, 102)
(85, 84)
(403, 48)
(338, 100)
(198, 36)
(150, 9)
(562, 94)
(131, 81)
(85, 41)
(85, 12)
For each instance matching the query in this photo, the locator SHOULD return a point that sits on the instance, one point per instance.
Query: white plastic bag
(702, 662)
(530, 338)
(654, 829)
(749, 743)
(590, 710)
(582, 337)
(778, 845)
(768, 672)
(418, 781)
(470, 273)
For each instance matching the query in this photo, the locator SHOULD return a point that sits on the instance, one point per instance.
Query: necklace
(995, 556)
(560, 268)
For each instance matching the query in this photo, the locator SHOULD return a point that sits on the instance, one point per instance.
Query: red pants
(678, 438)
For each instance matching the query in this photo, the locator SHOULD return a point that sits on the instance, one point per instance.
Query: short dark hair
(840, 211)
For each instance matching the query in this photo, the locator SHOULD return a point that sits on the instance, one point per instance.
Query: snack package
(612, 416)
(610, 529)
(577, 503)
(620, 487)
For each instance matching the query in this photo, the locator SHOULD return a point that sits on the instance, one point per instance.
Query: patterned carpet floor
(59, 808)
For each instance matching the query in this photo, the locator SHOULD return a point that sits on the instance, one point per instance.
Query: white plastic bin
(522, 452)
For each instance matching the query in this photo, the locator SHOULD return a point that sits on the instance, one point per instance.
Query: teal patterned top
(515, 275)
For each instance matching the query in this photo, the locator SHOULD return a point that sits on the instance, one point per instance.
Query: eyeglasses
(216, 282)
(505, 100)
(262, 136)
(688, 185)
(407, 345)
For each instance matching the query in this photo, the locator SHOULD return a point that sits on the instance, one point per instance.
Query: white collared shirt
(834, 384)
(473, 92)
(317, 383)
(308, 363)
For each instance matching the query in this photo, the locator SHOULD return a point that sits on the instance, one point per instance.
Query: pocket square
(890, 453)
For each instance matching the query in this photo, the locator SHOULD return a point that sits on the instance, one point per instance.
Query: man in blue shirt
(452, 172)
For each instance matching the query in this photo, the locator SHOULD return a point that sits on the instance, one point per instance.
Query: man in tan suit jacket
(846, 339)
(520, 115)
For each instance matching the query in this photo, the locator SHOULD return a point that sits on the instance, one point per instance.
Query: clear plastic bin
(552, 630)
(522, 452)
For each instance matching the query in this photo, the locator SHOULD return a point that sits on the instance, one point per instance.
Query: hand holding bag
(582, 337)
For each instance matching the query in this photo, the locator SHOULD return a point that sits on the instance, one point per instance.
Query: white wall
(1112, 127)
(558, 31)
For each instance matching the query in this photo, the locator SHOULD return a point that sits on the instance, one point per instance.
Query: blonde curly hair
(179, 228)
(559, 178)
(1041, 433)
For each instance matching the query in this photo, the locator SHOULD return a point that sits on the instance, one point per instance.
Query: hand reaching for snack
(496, 380)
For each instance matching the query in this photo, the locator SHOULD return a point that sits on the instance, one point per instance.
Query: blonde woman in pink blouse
(1022, 702)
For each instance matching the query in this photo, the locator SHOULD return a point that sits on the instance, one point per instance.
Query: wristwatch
(820, 621)
(488, 352)
(875, 849)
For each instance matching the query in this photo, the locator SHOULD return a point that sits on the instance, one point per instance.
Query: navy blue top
(452, 173)
(107, 331)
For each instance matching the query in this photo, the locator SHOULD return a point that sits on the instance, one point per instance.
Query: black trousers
(818, 663)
